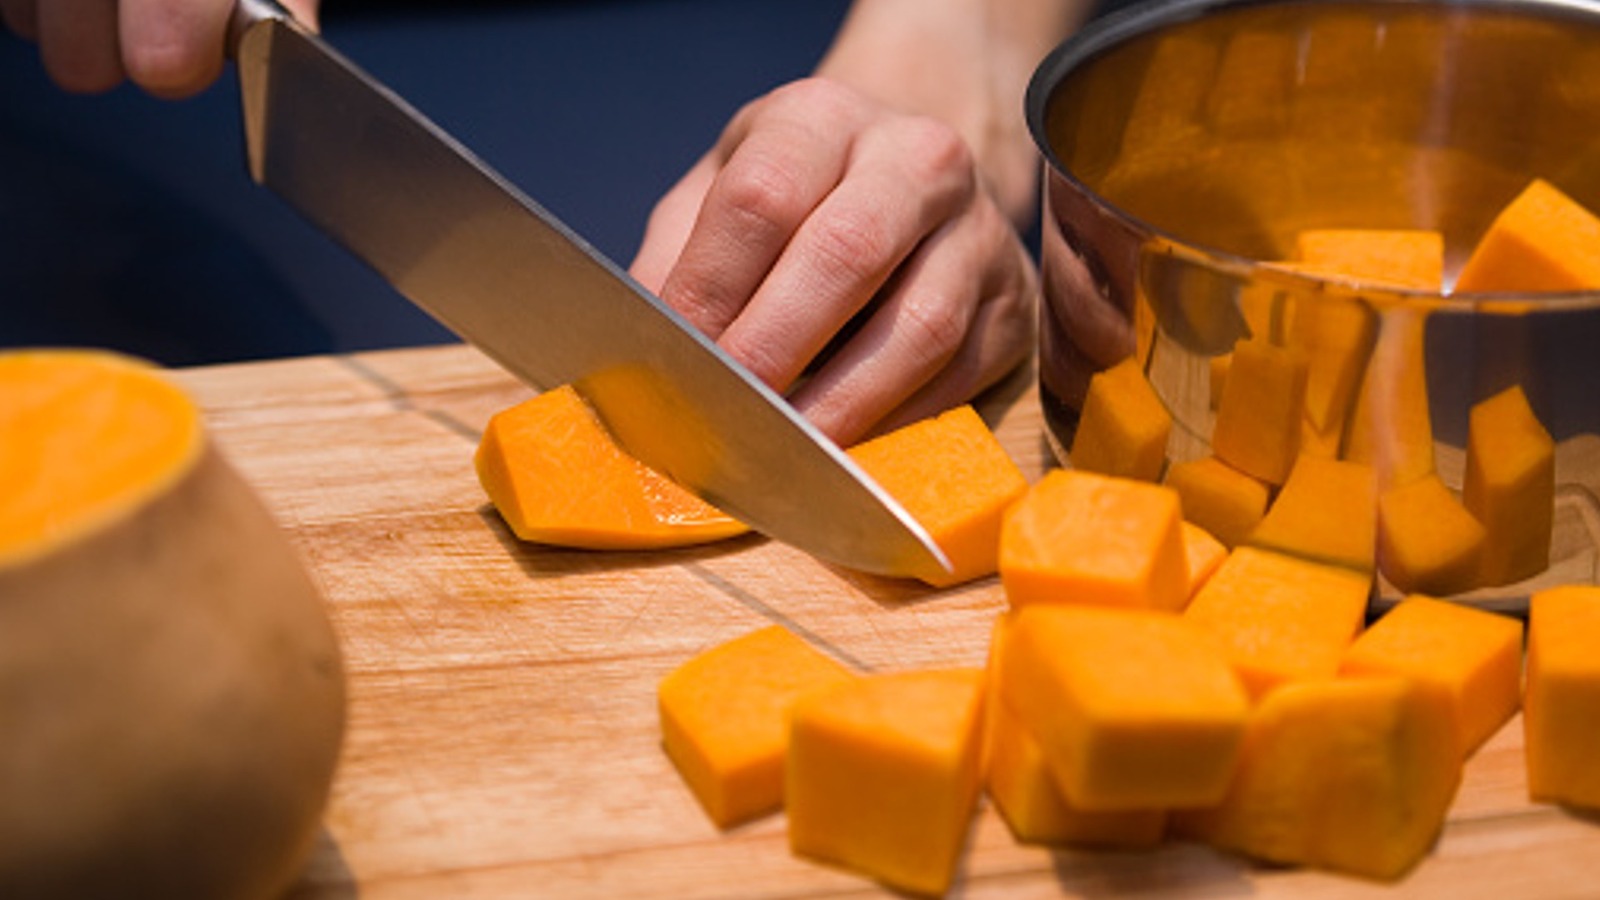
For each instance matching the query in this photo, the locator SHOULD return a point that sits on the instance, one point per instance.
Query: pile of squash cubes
(1185, 652)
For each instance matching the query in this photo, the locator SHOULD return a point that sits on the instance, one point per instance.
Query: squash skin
(173, 698)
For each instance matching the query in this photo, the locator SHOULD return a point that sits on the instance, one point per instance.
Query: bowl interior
(1233, 127)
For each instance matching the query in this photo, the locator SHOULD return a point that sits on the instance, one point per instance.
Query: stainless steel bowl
(1188, 142)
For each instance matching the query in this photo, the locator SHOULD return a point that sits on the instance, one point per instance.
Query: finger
(1000, 339)
(904, 181)
(305, 12)
(174, 48)
(956, 318)
(668, 227)
(782, 156)
(78, 44)
(21, 18)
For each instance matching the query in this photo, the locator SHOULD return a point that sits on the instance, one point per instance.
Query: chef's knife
(465, 245)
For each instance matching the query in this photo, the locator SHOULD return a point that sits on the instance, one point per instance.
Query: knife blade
(464, 244)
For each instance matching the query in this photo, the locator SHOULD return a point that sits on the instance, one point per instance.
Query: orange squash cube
(1078, 537)
(724, 718)
(557, 477)
(1279, 619)
(1124, 426)
(1219, 498)
(1350, 775)
(1025, 793)
(1399, 257)
(1543, 240)
(1133, 709)
(1510, 486)
(1204, 553)
(1326, 512)
(1561, 706)
(954, 478)
(1258, 418)
(1427, 541)
(883, 775)
(1474, 655)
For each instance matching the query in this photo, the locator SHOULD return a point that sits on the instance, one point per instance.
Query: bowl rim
(1148, 16)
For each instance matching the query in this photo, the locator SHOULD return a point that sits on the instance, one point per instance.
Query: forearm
(966, 62)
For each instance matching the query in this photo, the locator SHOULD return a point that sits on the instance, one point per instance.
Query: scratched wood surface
(503, 739)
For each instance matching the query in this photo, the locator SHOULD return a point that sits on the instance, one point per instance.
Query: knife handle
(248, 13)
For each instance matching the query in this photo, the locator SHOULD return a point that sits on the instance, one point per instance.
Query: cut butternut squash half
(557, 477)
(171, 690)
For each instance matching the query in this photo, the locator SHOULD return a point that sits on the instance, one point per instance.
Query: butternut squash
(883, 775)
(1124, 426)
(1078, 537)
(1258, 417)
(171, 689)
(1561, 705)
(1542, 240)
(1473, 655)
(1204, 553)
(1219, 498)
(1400, 257)
(1351, 775)
(557, 477)
(724, 718)
(1510, 486)
(1133, 709)
(954, 478)
(1279, 619)
(1427, 541)
(1019, 781)
(1326, 512)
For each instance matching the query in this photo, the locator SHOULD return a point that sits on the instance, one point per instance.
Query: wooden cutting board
(503, 738)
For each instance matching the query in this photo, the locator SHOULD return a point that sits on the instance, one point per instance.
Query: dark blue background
(130, 223)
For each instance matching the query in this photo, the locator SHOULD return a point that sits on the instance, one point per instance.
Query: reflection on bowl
(1190, 143)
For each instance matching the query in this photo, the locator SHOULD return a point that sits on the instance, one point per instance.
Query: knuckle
(817, 96)
(762, 195)
(936, 326)
(701, 299)
(765, 361)
(933, 152)
(854, 243)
